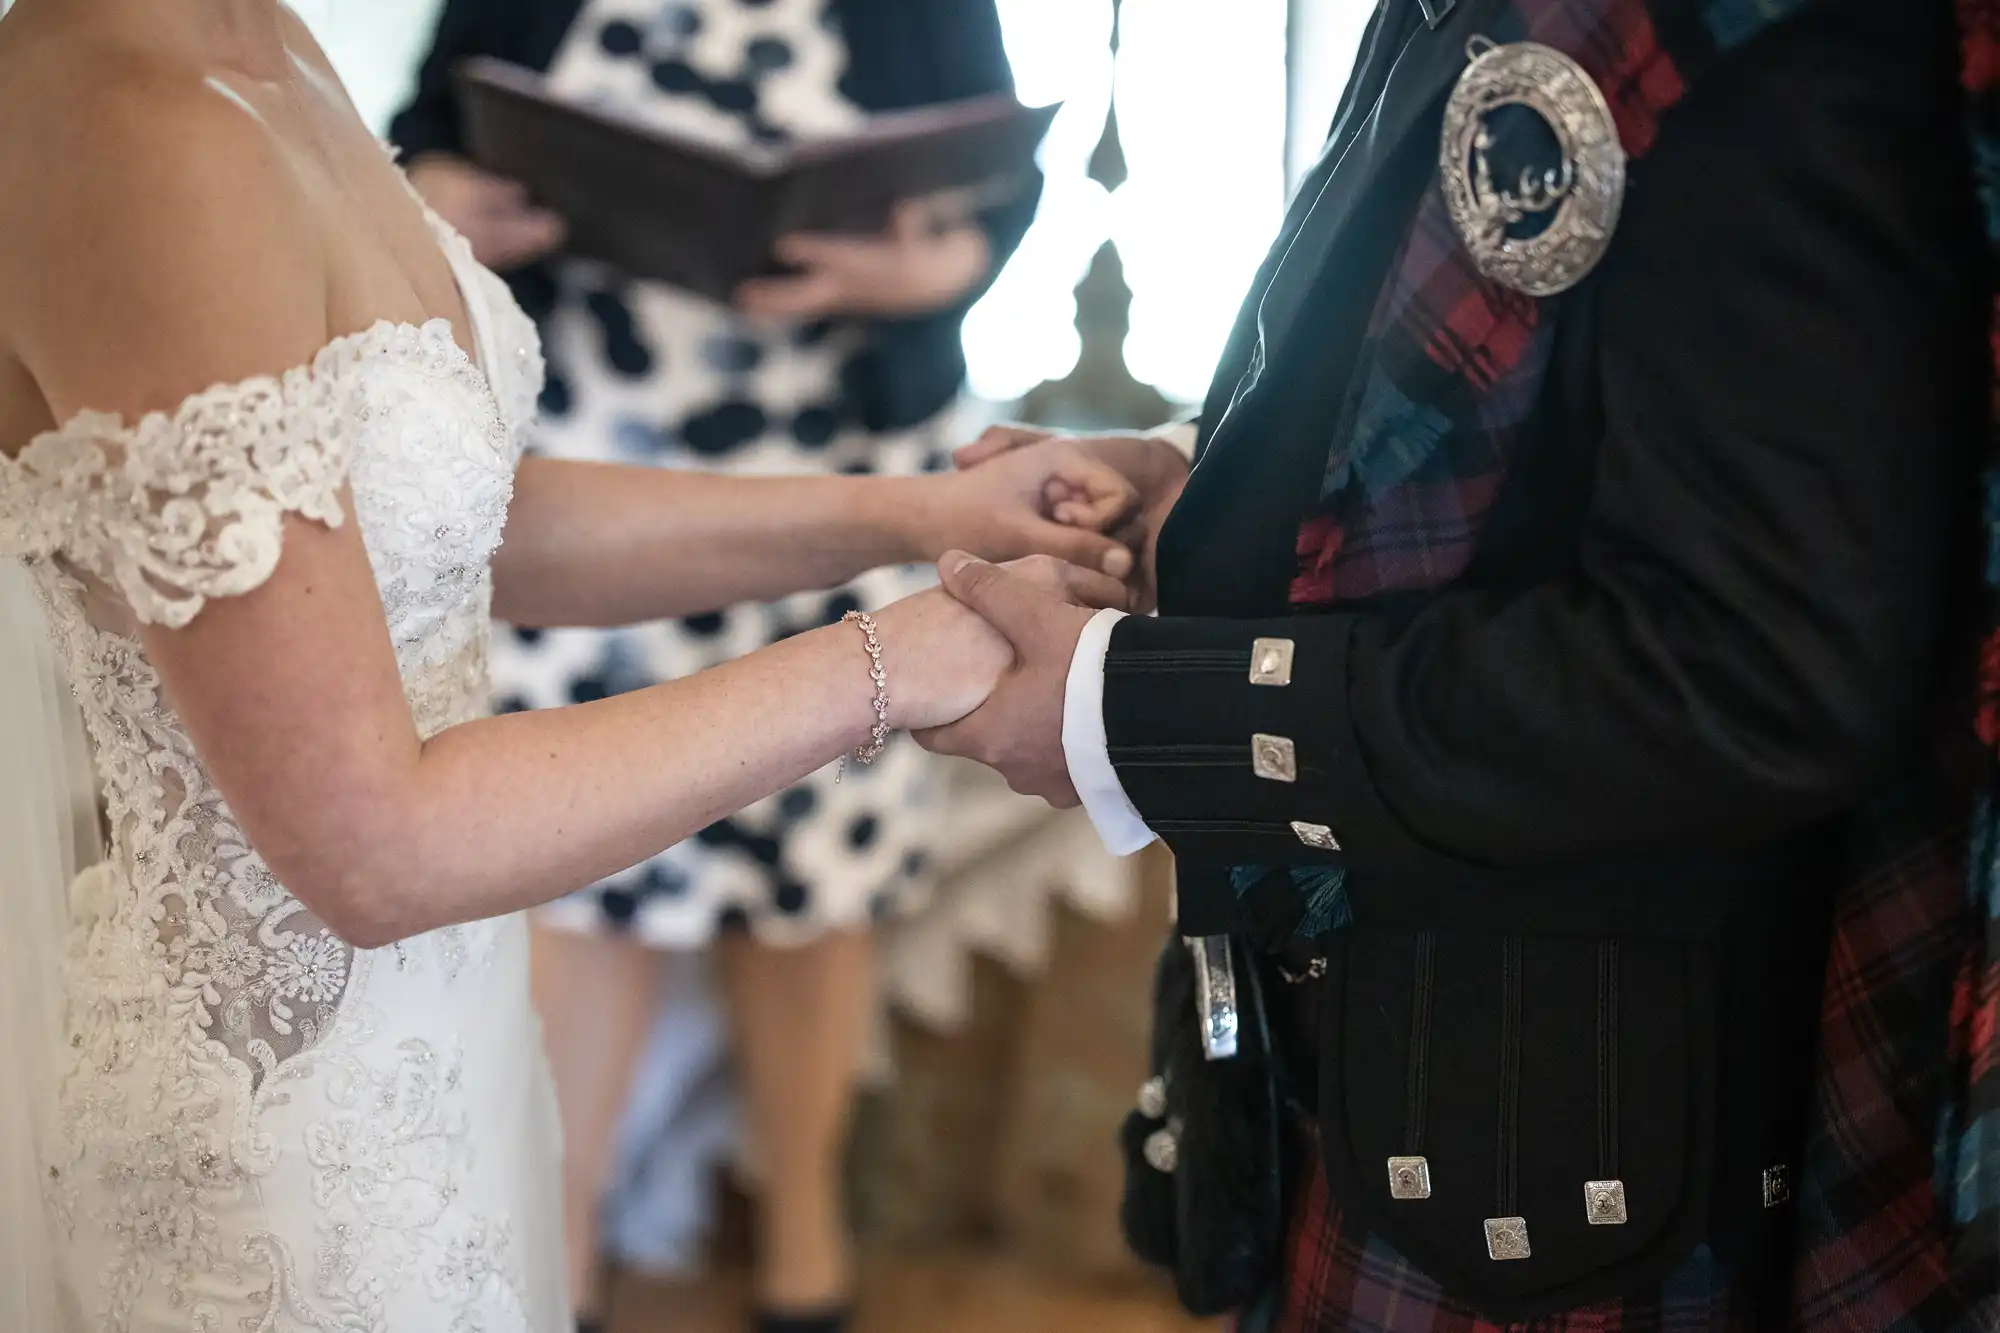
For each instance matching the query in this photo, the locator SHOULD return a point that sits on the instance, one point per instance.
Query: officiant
(849, 363)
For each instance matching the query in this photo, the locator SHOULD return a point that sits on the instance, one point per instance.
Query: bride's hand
(1007, 508)
(1154, 468)
(942, 660)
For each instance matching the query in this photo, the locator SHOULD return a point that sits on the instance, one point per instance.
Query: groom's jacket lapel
(1410, 105)
(1306, 315)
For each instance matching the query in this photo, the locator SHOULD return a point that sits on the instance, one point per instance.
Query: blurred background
(982, 1175)
(1170, 165)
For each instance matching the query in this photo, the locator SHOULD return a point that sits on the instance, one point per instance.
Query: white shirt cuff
(1086, 749)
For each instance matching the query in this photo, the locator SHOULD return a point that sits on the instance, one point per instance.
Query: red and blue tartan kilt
(1340, 1279)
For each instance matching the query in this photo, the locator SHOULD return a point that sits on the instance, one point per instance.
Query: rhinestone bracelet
(878, 735)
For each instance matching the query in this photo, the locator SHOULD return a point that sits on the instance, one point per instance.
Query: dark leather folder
(705, 218)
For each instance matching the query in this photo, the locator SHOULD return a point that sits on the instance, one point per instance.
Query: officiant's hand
(927, 258)
(494, 215)
(1046, 498)
(1018, 730)
(1155, 470)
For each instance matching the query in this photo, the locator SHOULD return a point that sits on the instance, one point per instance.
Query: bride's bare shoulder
(81, 115)
(158, 216)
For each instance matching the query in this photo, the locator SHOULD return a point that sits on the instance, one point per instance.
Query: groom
(1550, 637)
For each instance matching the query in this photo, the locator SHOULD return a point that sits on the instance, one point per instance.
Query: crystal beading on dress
(263, 1128)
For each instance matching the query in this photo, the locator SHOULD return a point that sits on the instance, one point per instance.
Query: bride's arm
(605, 544)
(292, 698)
(174, 251)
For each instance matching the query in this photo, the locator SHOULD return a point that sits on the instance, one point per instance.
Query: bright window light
(1024, 331)
(376, 45)
(1201, 112)
(1201, 118)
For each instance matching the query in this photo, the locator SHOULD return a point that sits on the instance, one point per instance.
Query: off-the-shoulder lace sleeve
(182, 506)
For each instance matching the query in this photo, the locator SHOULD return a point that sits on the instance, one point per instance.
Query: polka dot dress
(641, 373)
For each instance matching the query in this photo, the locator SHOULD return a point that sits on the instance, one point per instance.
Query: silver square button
(1271, 661)
(1409, 1178)
(1604, 1203)
(1274, 758)
(1507, 1238)
(1317, 836)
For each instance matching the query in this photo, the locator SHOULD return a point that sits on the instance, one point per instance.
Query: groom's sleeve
(1788, 367)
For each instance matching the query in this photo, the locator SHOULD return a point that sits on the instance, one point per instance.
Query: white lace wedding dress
(262, 1128)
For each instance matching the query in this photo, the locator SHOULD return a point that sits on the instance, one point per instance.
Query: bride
(299, 1085)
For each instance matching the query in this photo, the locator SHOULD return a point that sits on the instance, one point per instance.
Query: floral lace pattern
(187, 505)
(207, 1005)
(387, 1164)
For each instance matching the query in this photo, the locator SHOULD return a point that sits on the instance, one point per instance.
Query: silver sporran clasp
(1215, 995)
(1576, 201)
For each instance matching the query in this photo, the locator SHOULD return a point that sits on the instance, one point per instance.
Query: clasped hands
(1042, 604)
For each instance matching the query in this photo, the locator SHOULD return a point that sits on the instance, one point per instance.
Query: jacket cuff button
(1316, 836)
(1271, 661)
(1274, 758)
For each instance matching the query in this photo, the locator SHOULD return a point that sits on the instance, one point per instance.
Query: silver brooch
(1578, 199)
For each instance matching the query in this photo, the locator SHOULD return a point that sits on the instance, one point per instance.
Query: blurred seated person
(849, 363)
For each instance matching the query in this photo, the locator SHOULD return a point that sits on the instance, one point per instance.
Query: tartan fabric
(1456, 365)
(1873, 1249)
(1899, 1196)
(1455, 361)
(1899, 1225)
(1969, 1137)
(1339, 1277)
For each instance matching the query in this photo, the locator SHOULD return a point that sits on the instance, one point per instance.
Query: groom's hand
(1019, 730)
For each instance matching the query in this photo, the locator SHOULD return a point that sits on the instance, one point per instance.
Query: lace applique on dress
(187, 505)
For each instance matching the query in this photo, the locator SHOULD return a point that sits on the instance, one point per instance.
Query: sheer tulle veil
(47, 828)
(44, 832)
